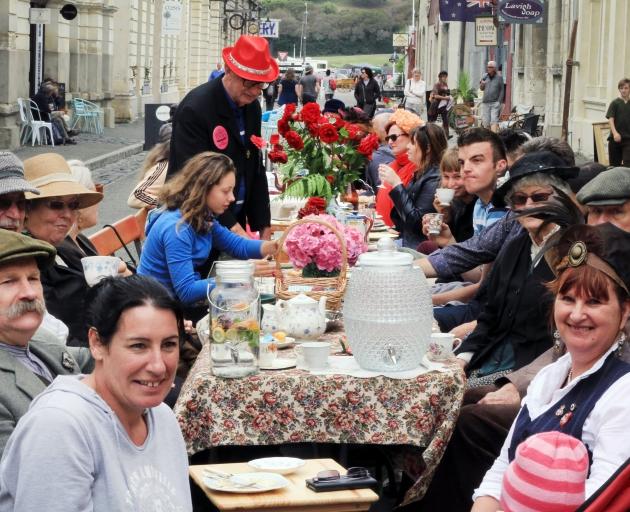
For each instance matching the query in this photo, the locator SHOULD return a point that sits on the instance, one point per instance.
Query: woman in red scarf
(400, 125)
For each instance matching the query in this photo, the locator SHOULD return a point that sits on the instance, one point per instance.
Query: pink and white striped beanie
(548, 474)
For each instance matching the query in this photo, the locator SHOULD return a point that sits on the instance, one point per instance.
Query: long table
(295, 406)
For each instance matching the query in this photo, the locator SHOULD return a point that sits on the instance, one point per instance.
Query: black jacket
(65, 288)
(517, 308)
(203, 110)
(366, 94)
(43, 104)
(411, 203)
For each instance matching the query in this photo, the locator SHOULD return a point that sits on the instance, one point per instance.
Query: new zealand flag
(464, 10)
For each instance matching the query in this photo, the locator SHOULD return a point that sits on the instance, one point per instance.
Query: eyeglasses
(333, 474)
(250, 84)
(58, 205)
(7, 202)
(394, 136)
(520, 199)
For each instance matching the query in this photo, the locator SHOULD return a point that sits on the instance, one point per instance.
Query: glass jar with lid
(387, 310)
(234, 320)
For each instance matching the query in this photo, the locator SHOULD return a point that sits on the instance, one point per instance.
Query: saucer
(281, 363)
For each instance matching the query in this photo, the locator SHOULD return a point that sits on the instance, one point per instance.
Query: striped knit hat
(548, 474)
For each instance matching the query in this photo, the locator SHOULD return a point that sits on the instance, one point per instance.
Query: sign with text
(485, 31)
(400, 40)
(269, 28)
(171, 17)
(521, 11)
(37, 16)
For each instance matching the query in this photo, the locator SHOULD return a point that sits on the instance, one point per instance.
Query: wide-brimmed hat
(333, 106)
(14, 246)
(609, 188)
(12, 175)
(51, 174)
(250, 59)
(531, 163)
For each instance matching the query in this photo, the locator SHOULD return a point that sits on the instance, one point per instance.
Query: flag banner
(464, 10)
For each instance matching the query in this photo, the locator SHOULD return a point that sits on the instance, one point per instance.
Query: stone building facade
(533, 58)
(120, 54)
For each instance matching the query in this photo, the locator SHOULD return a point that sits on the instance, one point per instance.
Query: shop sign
(485, 31)
(171, 17)
(521, 11)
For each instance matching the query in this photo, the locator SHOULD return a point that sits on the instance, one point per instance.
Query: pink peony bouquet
(314, 246)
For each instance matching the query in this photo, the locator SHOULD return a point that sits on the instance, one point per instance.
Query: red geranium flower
(274, 139)
(368, 145)
(328, 133)
(259, 142)
(354, 131)
(278, 156)
(294, 140)
(313, 129)
(283, 126)
(289, 108)
(310, 113)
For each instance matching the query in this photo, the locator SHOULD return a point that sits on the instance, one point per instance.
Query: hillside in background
(343, 27)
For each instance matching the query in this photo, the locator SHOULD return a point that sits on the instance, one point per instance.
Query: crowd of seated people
(497, 290)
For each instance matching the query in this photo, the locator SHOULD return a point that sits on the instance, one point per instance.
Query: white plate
(279, 465)
(261, 482)
(287, 343)
(281, 363)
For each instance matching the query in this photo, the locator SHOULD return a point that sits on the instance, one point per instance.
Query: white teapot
(302, 317)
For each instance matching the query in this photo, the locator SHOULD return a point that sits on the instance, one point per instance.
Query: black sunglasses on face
(58, 205)
(520, 199)
(7, 202)
(250, 84)
(333, 474)
(394, 136)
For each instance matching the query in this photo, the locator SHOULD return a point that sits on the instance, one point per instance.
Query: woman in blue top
(181, 234)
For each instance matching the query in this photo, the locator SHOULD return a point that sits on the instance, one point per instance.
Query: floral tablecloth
(294, 406)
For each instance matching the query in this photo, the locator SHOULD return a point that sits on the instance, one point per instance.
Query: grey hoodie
(70, 452)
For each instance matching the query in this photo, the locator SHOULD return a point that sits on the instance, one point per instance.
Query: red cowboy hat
(250, 59)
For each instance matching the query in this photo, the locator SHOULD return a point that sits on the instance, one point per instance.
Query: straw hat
(52, 176)
(250, 59)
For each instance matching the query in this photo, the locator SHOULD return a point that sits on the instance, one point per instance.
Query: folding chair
(35, 125)
(117, 236)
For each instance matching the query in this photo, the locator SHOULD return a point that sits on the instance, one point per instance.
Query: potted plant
(464, 93)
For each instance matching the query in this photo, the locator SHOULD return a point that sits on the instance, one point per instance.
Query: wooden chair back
(118, 235)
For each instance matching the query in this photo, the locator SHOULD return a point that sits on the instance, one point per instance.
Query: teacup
(314, 354)
(445, 195)
(96, 268)
(441, 346)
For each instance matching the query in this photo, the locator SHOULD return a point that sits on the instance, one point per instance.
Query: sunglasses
(58, 205)
(250, 84)
(7, 202)
(333, 474)
(519, 199)
(394, 136)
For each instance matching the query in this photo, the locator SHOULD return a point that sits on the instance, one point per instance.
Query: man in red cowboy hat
(221, 116)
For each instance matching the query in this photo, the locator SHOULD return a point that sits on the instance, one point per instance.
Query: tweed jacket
(19, 385)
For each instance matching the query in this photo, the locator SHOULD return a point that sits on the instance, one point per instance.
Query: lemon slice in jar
(218, 335)
(231, 334)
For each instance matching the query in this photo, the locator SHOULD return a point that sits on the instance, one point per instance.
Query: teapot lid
(302, 299)
(386, 255)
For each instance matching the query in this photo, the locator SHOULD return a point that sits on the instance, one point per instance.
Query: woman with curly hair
(181, 234)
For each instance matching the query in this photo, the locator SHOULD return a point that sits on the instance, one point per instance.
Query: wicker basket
(331, 287)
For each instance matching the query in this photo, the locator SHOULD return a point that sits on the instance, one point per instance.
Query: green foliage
(339, 27)
(464, 91)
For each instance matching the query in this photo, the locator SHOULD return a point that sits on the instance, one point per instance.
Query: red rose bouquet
(322, 153)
